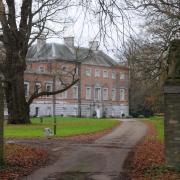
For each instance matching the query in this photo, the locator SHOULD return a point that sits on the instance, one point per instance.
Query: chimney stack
(93, 45)
(69, 42)
(41, 41)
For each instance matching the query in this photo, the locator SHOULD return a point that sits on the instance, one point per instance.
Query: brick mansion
(103, 83)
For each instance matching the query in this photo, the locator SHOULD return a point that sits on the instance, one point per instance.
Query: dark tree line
(147, 54)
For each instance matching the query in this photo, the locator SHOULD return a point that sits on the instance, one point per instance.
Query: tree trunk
(18, 109)
(1, 124)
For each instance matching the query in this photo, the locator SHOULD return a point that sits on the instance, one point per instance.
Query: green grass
(158, 121)
(66, 126)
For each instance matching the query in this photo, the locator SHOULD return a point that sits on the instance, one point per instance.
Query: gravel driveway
(101, 160)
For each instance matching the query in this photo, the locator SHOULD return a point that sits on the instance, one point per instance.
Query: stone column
(172, 107)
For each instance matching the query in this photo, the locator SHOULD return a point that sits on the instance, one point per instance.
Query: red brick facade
(107, 79)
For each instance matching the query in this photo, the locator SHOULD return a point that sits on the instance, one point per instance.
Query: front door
(98, 112)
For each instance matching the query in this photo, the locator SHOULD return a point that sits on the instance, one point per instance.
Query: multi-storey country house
(102, 87)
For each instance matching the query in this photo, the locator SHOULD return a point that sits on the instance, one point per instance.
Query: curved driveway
(101, 160)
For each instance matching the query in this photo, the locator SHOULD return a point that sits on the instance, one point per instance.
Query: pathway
(101, 160)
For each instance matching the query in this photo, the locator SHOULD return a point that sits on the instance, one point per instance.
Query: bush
(159, 114)
(141, 116)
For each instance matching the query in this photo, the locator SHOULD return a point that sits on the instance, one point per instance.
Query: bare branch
(45, 93)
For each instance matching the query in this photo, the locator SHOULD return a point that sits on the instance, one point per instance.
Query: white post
(54, 104)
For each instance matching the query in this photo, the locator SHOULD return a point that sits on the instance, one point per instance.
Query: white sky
(86, 28)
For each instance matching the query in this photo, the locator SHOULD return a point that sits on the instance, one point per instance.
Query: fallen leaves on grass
(148, 154)
(149, 162)
(20, 160)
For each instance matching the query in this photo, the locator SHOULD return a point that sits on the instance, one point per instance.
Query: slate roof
(49, 51)
(56, 51)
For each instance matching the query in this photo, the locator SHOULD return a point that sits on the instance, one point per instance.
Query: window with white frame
(63, 95)
(41, 69)
(122, 75)
(113, 94)
(75, 92)
(77, 70)
(97, 72)
(122, 94)
(88, 71)
(113, 75)
(37, 87)
(26, 89)
(97, 93)
(105, 74)
(48, 87)
(105, 93)
(88, 92)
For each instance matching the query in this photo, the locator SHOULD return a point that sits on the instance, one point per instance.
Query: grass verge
(148, 162)
(158, 122)
(66, 126)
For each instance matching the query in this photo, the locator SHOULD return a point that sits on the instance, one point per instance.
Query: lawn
(158, 121)
(66, 126)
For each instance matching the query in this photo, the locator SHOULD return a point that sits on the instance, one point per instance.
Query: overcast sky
(85, 27)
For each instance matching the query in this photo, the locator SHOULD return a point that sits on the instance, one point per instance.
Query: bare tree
(161, 25)
(21, 24)
(1, 122)
(111, 19)
(166, 8)
(162, 21)
(147, 54)
(146, 71)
